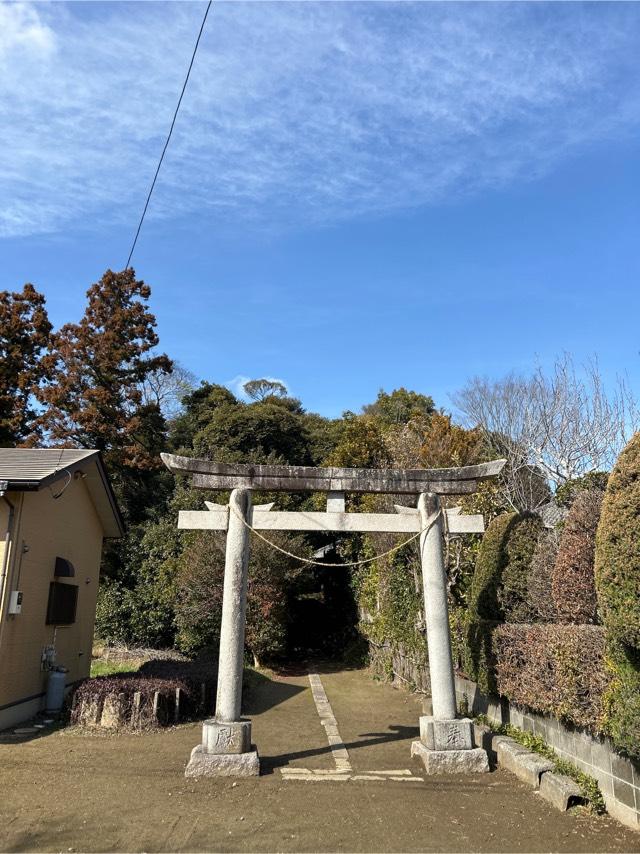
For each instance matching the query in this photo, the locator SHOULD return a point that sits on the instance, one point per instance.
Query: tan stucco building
(56, 508)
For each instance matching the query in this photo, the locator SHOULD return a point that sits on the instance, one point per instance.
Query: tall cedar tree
(93, 395)
(24, 336)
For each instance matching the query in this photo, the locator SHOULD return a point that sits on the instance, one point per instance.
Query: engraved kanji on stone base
(454, 734)
(220, 737)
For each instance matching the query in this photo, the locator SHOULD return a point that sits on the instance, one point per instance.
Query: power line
(175, 116)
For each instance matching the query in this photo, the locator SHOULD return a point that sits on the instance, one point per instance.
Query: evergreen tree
(24, 337)
(93, 393)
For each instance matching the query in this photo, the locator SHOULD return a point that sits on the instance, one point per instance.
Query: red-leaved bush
(557, 670)
(573, 580)
(541, 605)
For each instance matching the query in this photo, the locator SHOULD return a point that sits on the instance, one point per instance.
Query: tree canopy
(24, 338)
(92, 395)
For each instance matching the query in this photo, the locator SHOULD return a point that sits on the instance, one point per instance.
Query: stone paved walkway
(66, 791)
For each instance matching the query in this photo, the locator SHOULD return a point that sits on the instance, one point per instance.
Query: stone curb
(561, 791)
(557, 789)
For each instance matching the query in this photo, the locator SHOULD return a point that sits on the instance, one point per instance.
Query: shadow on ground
(313, 665)
(261, 693)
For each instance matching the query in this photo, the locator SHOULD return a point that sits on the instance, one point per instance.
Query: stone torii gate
(446, 742)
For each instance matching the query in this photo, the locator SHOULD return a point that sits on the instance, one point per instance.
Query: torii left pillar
(226, 749)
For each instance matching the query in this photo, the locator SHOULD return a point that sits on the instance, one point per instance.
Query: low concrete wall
(617, 776)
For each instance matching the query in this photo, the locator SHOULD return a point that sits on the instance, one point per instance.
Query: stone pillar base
(472, 761)
(202, 764)
(447, 747)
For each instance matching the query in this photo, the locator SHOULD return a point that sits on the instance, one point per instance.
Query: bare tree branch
(553, 426)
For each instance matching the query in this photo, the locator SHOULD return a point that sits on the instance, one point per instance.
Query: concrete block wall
(617, 776)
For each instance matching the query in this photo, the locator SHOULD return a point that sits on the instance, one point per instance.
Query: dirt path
(66, 791)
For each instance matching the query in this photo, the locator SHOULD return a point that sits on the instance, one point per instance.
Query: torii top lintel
(211, 475)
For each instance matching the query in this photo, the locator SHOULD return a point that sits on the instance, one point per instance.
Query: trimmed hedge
(557, 670)
(622, 700)
(484, 603)
(520, 545)
(572, 580)
(485, 610)
(617, 575)
(539, 596)
(499, 588)
(617, 559)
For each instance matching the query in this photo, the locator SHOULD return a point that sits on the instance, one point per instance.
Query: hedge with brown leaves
(572, 579)
(557, 670)
(539, 596)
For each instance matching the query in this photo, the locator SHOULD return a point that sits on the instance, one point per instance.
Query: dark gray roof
(31, 469)
(552, 514)
(35, 466)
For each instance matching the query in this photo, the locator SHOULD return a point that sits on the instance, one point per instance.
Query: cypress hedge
(617, 560)
(499, 588)
(541, 604)
(572, 580)
(519, 547)
(487, 577)
(617, 574)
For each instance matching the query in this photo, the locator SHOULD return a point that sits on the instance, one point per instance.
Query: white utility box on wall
(15, 602)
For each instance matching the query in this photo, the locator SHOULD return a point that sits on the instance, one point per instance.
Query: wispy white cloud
(298, 112)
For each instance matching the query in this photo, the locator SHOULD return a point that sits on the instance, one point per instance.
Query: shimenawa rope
(430, 522)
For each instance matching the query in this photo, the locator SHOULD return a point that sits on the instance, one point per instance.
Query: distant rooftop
(552, 514)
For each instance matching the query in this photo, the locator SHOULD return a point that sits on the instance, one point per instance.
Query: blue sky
(356, 196)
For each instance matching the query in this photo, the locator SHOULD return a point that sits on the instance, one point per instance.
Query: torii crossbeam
(452, 481)
(446, 743)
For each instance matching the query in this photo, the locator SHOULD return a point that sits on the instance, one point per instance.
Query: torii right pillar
(446, 743)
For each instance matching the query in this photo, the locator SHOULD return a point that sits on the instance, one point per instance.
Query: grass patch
(588, 785)
(102, 667)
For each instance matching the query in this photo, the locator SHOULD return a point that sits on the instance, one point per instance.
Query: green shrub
(617, 572)
(200, 585)
(479, 661)
(520, 544)
(389, 593)
(617, 560)
(458, 626)
(485, 609)
(572, 581)
(484, 601)
(113, 613)
(499, 589)
(567, 493)
(622, 700)
(499, 586)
